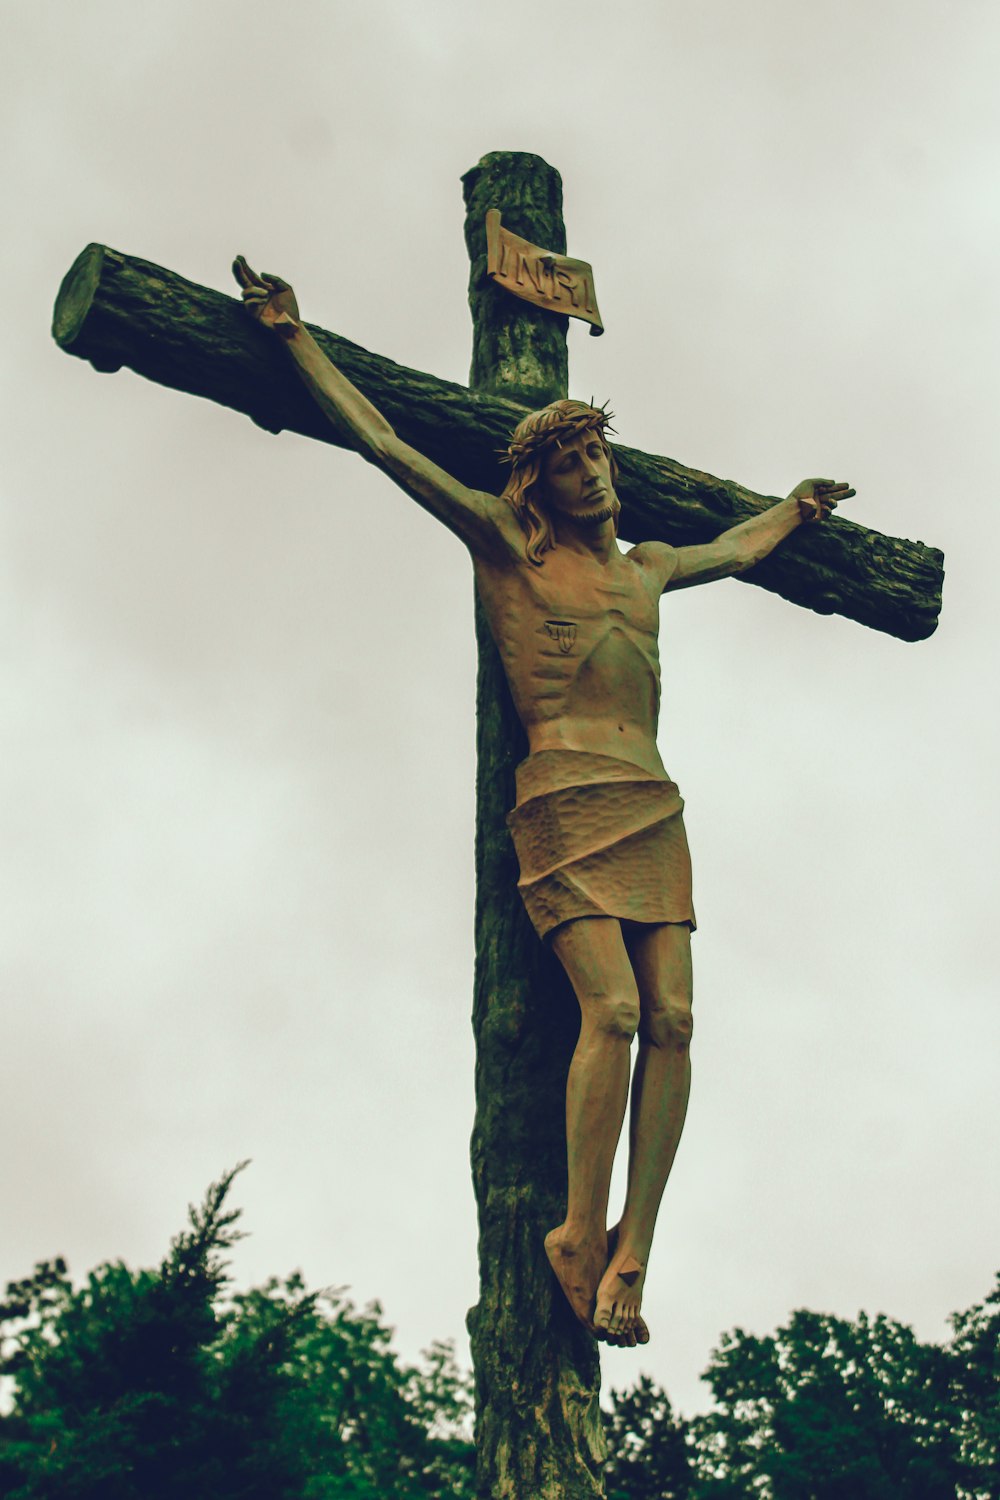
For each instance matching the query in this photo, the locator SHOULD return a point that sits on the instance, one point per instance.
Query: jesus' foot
(619, 1296)
(638, 1330)
(578, 1265)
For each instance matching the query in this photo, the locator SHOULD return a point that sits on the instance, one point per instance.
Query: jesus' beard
(595, 517)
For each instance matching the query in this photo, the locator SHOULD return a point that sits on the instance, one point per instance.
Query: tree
(974, 1356)
(648, 1455)
(153, 1385)
(826, 1409)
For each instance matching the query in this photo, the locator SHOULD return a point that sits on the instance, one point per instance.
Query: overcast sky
(237, 670)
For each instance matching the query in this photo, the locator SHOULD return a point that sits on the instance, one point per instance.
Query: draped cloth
(599, 837)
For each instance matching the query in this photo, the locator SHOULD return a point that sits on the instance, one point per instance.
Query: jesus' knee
(667, 1022)
(611, 1014)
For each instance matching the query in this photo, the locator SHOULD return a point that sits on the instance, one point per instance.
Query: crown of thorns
(551, 427)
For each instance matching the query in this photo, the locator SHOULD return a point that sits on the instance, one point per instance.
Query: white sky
(237, 670)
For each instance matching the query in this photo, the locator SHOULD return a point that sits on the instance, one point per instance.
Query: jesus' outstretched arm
(742, 546)
(477, 518)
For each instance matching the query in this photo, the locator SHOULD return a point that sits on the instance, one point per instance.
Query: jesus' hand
(267, 298)
(817, 497)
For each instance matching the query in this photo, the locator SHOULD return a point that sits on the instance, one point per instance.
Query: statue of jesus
(598, 826)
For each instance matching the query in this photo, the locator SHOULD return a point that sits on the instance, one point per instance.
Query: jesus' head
(561, 467)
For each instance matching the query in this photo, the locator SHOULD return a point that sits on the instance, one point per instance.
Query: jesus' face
(577, 480)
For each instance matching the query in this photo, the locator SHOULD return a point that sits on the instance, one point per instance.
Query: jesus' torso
(578, 641)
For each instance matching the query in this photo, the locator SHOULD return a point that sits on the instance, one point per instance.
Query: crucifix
(545, 550)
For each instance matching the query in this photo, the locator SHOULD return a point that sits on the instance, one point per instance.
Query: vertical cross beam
(538, 1424)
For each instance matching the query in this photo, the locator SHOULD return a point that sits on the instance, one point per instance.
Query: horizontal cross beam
(116, 310)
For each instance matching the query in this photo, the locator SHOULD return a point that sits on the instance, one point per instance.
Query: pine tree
(157, 1385)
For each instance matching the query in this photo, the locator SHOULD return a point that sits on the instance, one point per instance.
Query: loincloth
(599, 837)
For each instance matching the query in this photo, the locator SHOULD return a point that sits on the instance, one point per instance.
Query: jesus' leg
(593, 953)
(661, 960)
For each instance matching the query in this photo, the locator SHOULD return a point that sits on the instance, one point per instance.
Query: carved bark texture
(538, 1421)
(116, 311)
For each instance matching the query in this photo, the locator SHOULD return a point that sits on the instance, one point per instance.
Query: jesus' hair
(534, 436)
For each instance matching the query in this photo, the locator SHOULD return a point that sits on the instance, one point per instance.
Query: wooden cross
(537, 1373)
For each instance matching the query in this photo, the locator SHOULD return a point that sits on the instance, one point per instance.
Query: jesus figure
(598, 826)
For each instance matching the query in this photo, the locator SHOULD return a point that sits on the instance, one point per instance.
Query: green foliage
(145, 1385)
(828, 1409)
(824, 1409)
(648, 1456)
(975, 1372)
(165, 1385)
